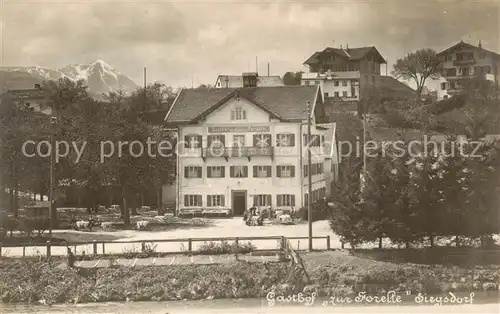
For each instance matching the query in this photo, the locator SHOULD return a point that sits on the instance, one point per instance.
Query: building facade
(464, 61)
(247, 146)
(343, 73)
(34, 99)
(250, 79)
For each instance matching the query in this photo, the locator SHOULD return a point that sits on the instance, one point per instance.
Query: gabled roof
(287, 103)
(461, 45)
(236, 81)
(348, 53)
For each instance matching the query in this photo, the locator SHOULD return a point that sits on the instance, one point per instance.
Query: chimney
(480, 46)
(347, 46)
(340, 46)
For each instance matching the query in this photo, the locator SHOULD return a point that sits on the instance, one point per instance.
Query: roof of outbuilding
(234, 81)
(284, 102)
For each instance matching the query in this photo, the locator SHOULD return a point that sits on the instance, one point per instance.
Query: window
(482, 55)
(239, 171)
(192, 200)
(326, 95)
(332, 58)
(306, 172)
(262, 200)
(448, 58)
(285, 200)
(451, 72)
(337, 94)
(470, 56)
(344, 94)
(487, 70)
(445, 97)
(443, 86)
(452, 85)
(285, 171)
(478, 70)
(336, 83)
(192, 141)
(306, 199)
(307, 82)
(238, 114)
(261, 171)
(344, 83)
(215, 200)
(192, 172)
(465, 71)
(316, 82)
(215, 172)
(239, 140)
(460, 56)
(285, 140)
(216, 140)
(262, 140)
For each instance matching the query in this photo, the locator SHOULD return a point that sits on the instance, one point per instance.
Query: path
(222, 228)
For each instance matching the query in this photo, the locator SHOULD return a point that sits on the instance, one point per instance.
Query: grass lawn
(341, 273)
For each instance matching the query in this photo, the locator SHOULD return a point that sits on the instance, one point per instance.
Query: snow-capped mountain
(99, 76)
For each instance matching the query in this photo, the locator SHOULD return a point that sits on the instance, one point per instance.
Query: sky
(185, 43)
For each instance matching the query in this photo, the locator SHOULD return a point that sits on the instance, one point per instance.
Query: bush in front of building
(319, 211)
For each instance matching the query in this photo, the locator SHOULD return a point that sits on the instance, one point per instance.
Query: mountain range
(99, 76)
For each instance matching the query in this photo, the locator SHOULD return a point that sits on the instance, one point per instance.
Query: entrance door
(239, 202)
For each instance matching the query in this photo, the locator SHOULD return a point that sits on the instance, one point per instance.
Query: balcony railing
(464, 62)
(228, 152)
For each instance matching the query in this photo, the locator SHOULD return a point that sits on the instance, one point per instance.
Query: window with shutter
(239, 171)
(215, 200)
(191, 200)
(285, 140)
(262, 200)
(192, 172)
(262, 140)
(269, 171)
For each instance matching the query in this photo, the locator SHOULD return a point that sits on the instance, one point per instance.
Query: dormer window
(238, 114)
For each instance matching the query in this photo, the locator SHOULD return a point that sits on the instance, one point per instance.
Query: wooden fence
(99, 247)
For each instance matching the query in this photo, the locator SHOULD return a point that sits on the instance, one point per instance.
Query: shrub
(29, 225)
(224, 247)
(319, 211)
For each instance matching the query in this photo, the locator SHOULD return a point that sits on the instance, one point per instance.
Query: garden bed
(33, 281)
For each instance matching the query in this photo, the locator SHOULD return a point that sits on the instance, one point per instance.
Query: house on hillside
(33, 99)
(464, 61)
(247, 79)
(247, 146)
(344, 75)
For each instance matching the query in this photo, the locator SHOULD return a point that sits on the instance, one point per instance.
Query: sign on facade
(239, 129)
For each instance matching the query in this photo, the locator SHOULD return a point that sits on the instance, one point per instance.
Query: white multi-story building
(344, 72)
(247, 146)
(464, 61)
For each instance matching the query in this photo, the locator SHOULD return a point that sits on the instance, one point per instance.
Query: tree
(418, 66)
(377, 197)
(346, 217)
(292, 78)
